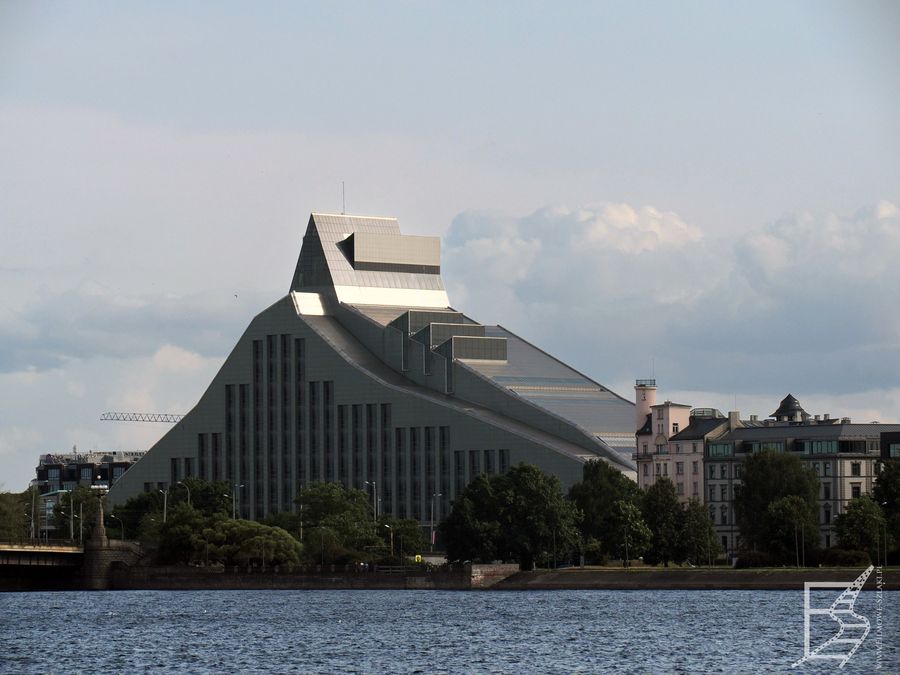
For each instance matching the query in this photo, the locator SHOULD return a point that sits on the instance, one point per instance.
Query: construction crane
(170, 418)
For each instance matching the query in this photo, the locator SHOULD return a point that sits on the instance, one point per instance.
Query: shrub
(753, 559)
(844, 557)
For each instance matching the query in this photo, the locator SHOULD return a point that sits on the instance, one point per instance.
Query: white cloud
(803, 303)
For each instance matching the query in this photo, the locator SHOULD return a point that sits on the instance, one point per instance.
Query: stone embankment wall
(687, 579)
(197, 578)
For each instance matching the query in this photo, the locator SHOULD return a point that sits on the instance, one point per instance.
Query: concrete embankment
(776, 579)
(469, 577)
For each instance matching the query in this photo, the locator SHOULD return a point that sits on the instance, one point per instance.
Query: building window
(693, 447)
(723, 492)
(712, 493)
(737, 471)
(504, 461)
(826, 468)
(695, 468)
(658, 469)
(678, 448)
(827, 541)
(659, 413)
(665, 469)
(696, 491)
(712, 470)
(679, 488)
(855, 469)
(679, 468)
(712, 513)
(659, 428)
(723, 515)
(816, 468)
(645, 448)
(87, 472)
(674, 428)
(723, 471)
(826, 489)
(646, 469)
(855, 491)
(827, 515)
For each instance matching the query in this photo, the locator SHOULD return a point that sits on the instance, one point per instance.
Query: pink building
(670, 441)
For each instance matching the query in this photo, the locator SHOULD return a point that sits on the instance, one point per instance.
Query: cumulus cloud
(802, 302)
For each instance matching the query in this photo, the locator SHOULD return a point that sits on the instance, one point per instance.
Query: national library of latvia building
(364, 374)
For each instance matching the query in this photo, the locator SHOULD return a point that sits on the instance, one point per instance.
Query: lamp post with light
(434, 496)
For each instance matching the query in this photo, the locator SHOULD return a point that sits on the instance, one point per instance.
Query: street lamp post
(391, 529)
(111, 515)
(434, 496)
(234, 489)
(71, 516)
(374, 500)
(165, 494)
(184, 485)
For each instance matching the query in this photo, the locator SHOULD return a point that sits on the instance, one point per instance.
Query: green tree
(345, 512)
(246, 542)
(860, 526)
(472, 530)
(767, 477)
(886, 493)
(664, 516)
(207, 497)
(83, 503)
(536, 519)
(629, 535)
(409, 538)
(521, 515)
(600, 488)
(793, 529)
(15, 515)
(135, 509)
(698, 536)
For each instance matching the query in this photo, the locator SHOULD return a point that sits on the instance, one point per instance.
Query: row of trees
(777, 512)
(523, 515)
(331, 525)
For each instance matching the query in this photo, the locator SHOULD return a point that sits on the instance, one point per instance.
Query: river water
(424, 632)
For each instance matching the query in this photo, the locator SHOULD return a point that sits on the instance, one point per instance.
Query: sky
(705, 193)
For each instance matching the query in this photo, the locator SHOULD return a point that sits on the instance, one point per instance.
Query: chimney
(816, 418)
(754, 418)
(827, 417)
(644, 398)
(734, 420)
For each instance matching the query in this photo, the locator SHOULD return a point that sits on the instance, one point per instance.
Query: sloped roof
(327, 265)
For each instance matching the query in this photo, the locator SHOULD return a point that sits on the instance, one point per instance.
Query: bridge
(40, 553)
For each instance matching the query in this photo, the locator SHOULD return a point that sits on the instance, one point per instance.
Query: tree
(521, 515)
(698, 538)
(471, 531)
(409, 538)
(793, 529)
(886, 493)
(664, 516)
(600, 488)
(629, 535)
(15, 515)
(83, 502)
(345, 512)
(860, 526)
(768, 476)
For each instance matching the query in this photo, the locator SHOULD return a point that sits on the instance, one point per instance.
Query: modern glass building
(364, 374)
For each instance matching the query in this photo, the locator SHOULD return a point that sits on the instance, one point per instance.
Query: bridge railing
(25, 543)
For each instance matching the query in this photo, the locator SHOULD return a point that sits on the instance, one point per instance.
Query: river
(424, 632)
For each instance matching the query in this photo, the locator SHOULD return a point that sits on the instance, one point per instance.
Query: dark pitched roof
(699, 428)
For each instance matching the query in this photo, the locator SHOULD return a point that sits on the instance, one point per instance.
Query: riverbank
(680, 578)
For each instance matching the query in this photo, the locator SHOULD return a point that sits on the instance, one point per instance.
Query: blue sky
(709, 187)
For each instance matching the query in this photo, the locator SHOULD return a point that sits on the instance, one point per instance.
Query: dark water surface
(423, 632)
